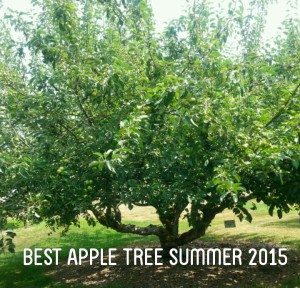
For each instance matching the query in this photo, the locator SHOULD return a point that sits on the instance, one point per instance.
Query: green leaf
(11, 234)
(271, 209)
(11, 249)
(295, 163)
(253, 207)
(279, 213)
(240, 216)
(193, 122)
(248, 215)
(109, 166)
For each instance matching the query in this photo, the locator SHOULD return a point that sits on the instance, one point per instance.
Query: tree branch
(70, 132)
(194, 233)
(112, 219)
(88, 118)
(141, 204)
(285, 105)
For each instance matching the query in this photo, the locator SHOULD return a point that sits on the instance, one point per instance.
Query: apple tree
(98, 110)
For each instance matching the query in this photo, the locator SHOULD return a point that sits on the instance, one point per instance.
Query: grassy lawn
(284, 232)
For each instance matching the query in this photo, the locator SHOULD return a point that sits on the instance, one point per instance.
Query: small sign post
(229, 223)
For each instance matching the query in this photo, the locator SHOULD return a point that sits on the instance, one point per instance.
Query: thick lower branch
(113, 220)
(168, 233)
(208, 214)
(190, 235)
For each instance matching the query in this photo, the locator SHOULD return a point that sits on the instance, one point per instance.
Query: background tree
(99, 111)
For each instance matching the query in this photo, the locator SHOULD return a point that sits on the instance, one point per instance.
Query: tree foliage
(97, 110)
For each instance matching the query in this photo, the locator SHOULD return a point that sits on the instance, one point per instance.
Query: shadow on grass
(251, 238)
(242, 237)
(101, 238)
(292, 223)
(170, 276)
(14, 274)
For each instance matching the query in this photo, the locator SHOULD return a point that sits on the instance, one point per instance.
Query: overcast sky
(166, 10)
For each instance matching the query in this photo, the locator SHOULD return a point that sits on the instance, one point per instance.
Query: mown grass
(13, 274)
(263, 228)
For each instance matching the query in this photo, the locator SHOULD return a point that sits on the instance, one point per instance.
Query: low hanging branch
(112, 219)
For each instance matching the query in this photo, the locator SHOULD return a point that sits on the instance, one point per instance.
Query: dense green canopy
(97, 110)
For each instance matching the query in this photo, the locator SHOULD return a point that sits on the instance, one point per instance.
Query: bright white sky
(166, 10)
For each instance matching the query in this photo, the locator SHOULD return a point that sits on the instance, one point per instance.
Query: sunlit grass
(263, 229)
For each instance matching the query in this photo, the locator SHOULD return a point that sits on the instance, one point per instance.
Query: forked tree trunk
(168, 233)
(167, 242)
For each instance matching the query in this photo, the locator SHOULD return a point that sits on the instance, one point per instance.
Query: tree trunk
(169, 234)
(167, 242)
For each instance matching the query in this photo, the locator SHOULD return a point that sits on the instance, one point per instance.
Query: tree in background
(98, 111)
